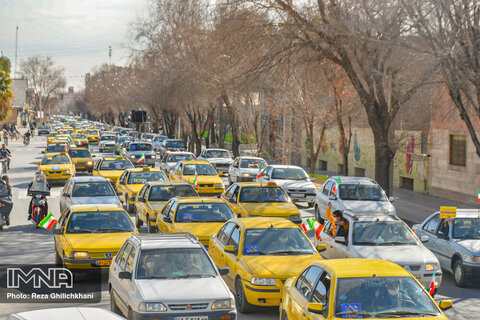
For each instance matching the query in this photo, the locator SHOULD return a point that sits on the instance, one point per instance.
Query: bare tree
(45, 79)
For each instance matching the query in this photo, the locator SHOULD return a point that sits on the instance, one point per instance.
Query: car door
(59, 238)
(140, 203)
(96, 167)
(219, 242)
(264, 174)
(231, 258)
(327, 238)
(229, 196)
(65, 199)
(320, 294)
(233, 170)
(121, 187)
(302, 291)
(429, 229)
(118, 285)
(445, 251)
(126, 286)
(322, 198)
(164, 214)
(176, 172)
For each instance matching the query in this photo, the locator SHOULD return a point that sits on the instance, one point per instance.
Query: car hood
(220, 160)
(295, 184)
(279, 267)
(202, 230)
(175, 290)
(96, 200)
(203, 179)
(472, 245)
(368, 206)
(270, 209)
(109, 142)
(97, 241)
(417, 254)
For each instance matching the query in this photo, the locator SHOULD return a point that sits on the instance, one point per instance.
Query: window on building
(458, 150)
(359, 172)
(323, 165)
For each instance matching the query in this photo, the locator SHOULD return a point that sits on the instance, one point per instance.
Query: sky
(75, 33)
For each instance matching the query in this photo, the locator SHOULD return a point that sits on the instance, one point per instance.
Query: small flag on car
(309, 224)
(478, 196)
(195, 182)
(141, 159)
(48, 222)
(432, 285)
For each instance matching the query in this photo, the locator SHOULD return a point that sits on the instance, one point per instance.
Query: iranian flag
(432, 285)
(48, 222)
(309, 224)
(478, 196)
(195, 182)
(141, 159)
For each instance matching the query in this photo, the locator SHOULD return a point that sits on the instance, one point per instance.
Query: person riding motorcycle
(5, 154)
(6, 195)
(26, 137)
(39, 186)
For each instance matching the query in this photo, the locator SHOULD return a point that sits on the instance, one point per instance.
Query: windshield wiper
(406, 313)
(354, 314)
(289, 252)
(111, 229)
(190, 220)
(200, 275)
(80, 230)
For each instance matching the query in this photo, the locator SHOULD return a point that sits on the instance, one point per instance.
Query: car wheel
(242, 304)
(113, 305)
(138, 222)
(459, 274)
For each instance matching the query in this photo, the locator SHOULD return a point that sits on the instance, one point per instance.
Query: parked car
(221, 159)
(455, 242)
(353, 194)
(171, 159)
(381, 236)
(245, 169)
(168, 276)
(293, 179)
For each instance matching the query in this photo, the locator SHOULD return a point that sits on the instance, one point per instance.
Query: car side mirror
(220, 173)
(332, 197)
(340, 239)
(424, 239)
(445, 304)
(391, 199)
(315, 307)
(177, 173)
(57, 231)
(230, 249)
(321, 247)
(125, 275)
(223, 271)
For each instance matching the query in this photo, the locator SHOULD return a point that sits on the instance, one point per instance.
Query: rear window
(81, 153)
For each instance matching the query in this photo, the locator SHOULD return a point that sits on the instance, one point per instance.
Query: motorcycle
(39, 208)
(6, 205)
(26, 140)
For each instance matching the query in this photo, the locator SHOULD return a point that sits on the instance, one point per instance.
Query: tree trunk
(383, 162)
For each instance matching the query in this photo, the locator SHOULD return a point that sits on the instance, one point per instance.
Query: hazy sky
(75, 33)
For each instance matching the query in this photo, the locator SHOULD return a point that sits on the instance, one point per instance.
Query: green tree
(6, 93)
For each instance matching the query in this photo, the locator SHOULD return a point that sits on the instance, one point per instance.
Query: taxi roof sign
(448, 212)
(271, 184)
(146, 169)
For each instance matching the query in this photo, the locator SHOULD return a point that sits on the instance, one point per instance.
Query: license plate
(192, 318)
(297, 195)
(104, 262)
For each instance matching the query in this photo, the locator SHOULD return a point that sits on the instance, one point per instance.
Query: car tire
(138, 222)
(459, 274)
(113, 305)
(241, 300)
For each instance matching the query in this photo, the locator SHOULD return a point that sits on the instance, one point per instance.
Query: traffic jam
(208, 237)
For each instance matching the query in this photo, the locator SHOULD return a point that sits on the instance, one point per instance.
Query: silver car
(168, 276)
(221, 159)
(107, 143)
(455, 242)
(381, 236)
(352, 194)
(245, 169)
(169, 161)
(138, 150)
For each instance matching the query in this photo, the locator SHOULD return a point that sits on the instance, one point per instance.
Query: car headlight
(152, 307)
(80, 255)
(89, 163)
(245, 175)
(133, 157)
(432, 266)
(263, 281)
(475, 259)
(68, 171)
(153, 157)
(219, 185)
(222, 304)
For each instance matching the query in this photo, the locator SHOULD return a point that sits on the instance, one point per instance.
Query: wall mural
(408, 155)
(324, 144)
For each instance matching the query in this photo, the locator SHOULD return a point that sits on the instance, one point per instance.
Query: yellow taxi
(133, 180)
(261, 199)
(57, 167)
(200, 216)
(52, 137)
(80, 130)
(92, 135)
(201, 174)
(88, 236)
(83, 159)
(111, 168)
(152, 198)
(80, 139)
(58, 147)
(261, 253)
(355, 289)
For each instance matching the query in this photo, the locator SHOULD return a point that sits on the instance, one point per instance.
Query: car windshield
(143, 177)
(180, 157)
(253, 163)
(91, 132)
(200, 169)
(100, 222)
(57, 159)
(174, 144)
(466, 228)
(276, 241)
(165, 193)
(217, 154)
(116, 165)
(289, 174)
(109, 138)
(140, 147)
(92, 189)
(80, 153)
(174, 263)
(123, 139)
(382, 297)
(361, 192)
(79, 136)
(384, 233)
(263, 194)
(57, 148)
(149, 136)
(203, 212)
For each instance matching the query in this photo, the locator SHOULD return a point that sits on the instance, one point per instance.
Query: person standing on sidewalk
(5, 136)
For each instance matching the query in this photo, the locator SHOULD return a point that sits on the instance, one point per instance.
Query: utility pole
(110, 55)
(16, 51)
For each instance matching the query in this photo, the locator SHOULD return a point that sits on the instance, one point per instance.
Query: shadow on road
(21, 185)
(28, 228)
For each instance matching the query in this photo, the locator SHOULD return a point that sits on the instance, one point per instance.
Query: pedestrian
(5, 136)
(5, 154)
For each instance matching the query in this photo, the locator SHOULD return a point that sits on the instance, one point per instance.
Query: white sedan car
(245, 169)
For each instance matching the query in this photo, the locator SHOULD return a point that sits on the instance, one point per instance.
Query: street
(22, 243)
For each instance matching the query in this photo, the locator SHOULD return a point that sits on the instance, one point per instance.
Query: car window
(224, 233)
(64, 218)
(167, 209)
(321, 290)
(141, 194)
(235, 237)
(93, 189)
(204, 212)
(230, 191)
(146, 176)
(444, 227)
(263, 194)
(130, 260)
(173, 208)
(116, 165)
(432, 225)
(305, 286)
(235, 194)
(122, 178)
(326, 188)
(56, 159)
(122, 257)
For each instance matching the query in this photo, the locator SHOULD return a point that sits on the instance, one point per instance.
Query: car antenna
(271, 224)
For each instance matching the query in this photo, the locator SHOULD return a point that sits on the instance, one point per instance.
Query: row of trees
(323, 61)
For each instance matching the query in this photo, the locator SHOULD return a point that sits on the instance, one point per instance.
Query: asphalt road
(22, 243)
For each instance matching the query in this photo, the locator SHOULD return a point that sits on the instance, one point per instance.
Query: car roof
(140, 142)
(174, 139)
(264, 222)
(180, 152)
(284, 166)
(95, 207)
(89, 179)
(168, 183)
(200, 199)
(196, 162)
(141, 169)
(79, 148)
(257, 184)
(353, 180)
(371, 216)
(251, 157)
(113, 158)
(215, 149)
(166, 240)
(351, 268)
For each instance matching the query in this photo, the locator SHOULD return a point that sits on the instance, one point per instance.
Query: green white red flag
(141, 159)
(195, 182)
(48, 222)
